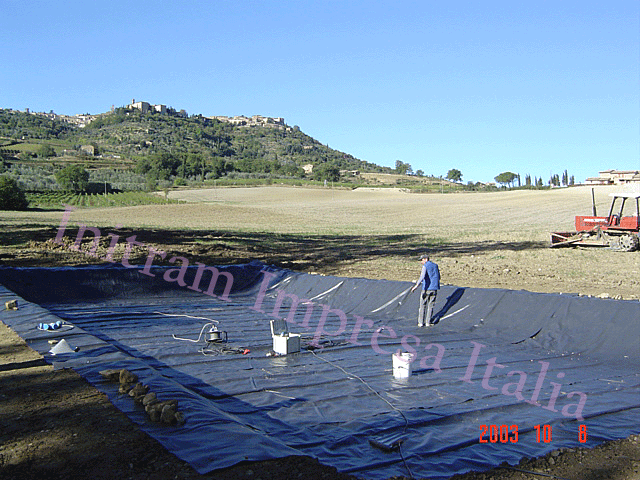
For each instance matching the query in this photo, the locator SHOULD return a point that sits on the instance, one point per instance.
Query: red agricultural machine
(614, 230)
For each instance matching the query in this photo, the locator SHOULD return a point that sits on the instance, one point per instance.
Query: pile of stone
(165, 412)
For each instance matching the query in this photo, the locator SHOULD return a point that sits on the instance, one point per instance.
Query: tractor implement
(615, 230)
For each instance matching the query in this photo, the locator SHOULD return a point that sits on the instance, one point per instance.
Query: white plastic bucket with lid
(402, 364)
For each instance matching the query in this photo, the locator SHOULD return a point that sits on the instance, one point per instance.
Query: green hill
(164, 145)
(127, 149)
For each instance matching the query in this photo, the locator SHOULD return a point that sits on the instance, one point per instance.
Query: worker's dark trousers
(427, 300)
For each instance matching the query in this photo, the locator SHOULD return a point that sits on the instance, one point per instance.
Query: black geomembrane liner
(498, 366)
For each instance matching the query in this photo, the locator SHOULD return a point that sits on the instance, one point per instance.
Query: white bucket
(402, 364)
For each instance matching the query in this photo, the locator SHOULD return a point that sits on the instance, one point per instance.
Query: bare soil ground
(54, 425)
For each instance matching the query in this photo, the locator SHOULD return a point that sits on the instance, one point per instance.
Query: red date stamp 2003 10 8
(509, 433)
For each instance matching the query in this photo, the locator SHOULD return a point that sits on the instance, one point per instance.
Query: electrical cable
(199, 336)
(188, 316)
(550, 475)
(208, 350)
(212, 324)
(146, 313)
(213, 347)
(365, 384)
(404, 461)
(406, 421)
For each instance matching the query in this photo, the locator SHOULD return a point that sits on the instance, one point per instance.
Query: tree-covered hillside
(163, 146)
(20, 126)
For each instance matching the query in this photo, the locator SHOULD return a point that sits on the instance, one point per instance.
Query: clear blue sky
(530, 87)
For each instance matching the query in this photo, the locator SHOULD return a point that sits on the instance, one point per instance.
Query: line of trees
(505, 179)
(508, 179)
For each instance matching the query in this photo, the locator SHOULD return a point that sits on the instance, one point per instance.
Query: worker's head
(424, 258)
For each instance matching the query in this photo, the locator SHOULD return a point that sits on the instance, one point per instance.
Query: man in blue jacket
(430, 281)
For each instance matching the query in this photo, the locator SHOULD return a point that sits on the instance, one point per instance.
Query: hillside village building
(146, 107)
(80, 120)
(255, 120)
(88, 149)
(615, 177)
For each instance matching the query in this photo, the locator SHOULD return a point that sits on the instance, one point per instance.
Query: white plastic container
(286, 344)
(402, 364)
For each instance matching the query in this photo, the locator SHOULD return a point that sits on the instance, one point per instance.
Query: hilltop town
(82, 120)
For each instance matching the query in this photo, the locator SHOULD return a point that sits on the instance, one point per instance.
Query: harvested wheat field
(487, 240)
(480, 239)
